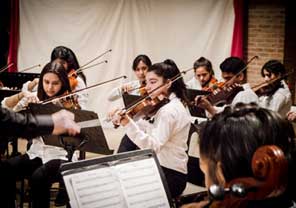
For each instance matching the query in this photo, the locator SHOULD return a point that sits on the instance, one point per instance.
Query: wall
(265, 35)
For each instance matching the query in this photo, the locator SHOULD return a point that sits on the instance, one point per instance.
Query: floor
(113, 137)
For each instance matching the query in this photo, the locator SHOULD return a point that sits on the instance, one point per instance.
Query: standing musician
(275, 96)
(227, 144)
(231, 72)
(167, 131)
(203, 75)
(41, 162)
(140, 66)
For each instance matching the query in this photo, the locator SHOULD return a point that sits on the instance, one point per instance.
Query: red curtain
(237, 37)
(13, 35)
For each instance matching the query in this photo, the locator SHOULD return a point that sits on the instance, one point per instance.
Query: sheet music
(126, 185)
(141, 184)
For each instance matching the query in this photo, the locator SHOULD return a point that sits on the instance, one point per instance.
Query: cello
(270, 171)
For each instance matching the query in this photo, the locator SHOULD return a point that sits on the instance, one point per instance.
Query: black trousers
(176, 181)
(41, 177)
(127, 145)
(7, 190)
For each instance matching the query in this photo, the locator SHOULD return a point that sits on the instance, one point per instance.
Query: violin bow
(243, 69)
(99, 56)
(80, 90)
(31, 67)
(6, 67)
(82, 69)
(173, 79)
(271, 81)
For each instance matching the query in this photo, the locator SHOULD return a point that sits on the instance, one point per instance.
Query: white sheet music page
(95, 188)
(132, 184)
(142, 185)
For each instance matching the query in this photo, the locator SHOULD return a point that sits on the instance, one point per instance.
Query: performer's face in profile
(51, 84)
(141, 71)
(153, 81)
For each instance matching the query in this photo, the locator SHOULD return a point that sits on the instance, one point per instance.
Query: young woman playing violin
(227, 145)
(275, 96)
(136, 87)
(71, 64)
(41, 162)
(204, 78)
(140, 66)
(167, 134)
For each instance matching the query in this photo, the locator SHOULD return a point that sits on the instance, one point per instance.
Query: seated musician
(41, 162)
(71, 64)
(203, 75)
(167, 131)
(275, 96)
(140, 66)
(227, 144)
(231, 72)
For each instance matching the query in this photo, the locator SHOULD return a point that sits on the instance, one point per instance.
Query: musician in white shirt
(140, 66)
(275, 96)
(41, 162)
(231, 72)
(167, 131)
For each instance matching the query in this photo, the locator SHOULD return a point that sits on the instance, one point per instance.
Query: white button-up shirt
(167, 135)
(280, 101)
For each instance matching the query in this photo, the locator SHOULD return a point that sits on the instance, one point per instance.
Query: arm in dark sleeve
(24, 125)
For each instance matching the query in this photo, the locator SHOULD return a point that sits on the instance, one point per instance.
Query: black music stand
(90, 139)
(129, 99)
(194, 110)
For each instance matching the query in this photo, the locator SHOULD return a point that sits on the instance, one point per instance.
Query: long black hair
(168, 70)
(278, 69)
(57, 68)
(69, 56)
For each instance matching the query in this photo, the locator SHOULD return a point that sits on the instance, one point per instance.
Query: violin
(146, 108)
(224, 95)
(269, 87)
(70, 94)
(70, 102)
(217, 85)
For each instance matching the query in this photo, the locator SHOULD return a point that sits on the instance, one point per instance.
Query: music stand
(90, 139)
(194, 110)
(129, 99)
(133, 179)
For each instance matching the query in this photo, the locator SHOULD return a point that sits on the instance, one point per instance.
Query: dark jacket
(24, 125)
